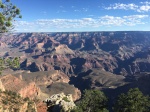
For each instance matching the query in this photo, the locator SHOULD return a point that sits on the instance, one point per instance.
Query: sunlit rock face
(1, 86)
(12, 83)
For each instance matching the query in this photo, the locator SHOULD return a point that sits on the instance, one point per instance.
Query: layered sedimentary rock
(101, 60)
(49, 82)
(110, 51)
(15, 84)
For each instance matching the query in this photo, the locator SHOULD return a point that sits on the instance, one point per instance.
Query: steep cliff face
(49, 82)
(15, 84)
(37, 85)
(30, 91)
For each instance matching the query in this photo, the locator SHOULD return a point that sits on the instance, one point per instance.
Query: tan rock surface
(45, 77)
(15, 84)
(63, 49)
(41, 107)
(1, 86)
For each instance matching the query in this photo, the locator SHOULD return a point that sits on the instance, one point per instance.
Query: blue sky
(83, 15)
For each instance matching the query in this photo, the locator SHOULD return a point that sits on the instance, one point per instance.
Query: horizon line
(83, 31)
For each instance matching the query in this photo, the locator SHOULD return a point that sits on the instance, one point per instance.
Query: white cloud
(142, 7)
(147, 3)
(135, 19)
(136, 16)
(122, 6)
(106, 21)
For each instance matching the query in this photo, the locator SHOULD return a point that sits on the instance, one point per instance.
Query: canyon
(70, 62)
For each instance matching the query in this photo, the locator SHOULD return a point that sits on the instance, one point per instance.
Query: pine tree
(8, 12)
(9, 63)
(92, 101)
(133, 101)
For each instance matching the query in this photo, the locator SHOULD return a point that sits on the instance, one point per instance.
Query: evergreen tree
(9, 63)
(92, 101)
(133, 101)
(8, 12)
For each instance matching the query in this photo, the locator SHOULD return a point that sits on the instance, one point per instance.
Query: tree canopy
(92, 101)
(12, 63)
(8, 12)
(133, 101)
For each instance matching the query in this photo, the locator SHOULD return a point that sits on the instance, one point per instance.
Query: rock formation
(49, 83)
(58, 102)
(23, 88)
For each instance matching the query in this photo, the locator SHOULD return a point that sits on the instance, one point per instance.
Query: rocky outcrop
(63, 49)
(15, 84)
(44, 77)
(97, 79)
(58, 102)
(49, 82)
(58, 87)
(31, 91)
(2, 44)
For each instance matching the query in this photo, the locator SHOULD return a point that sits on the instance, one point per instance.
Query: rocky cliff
(49, 83)
(23, 88)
